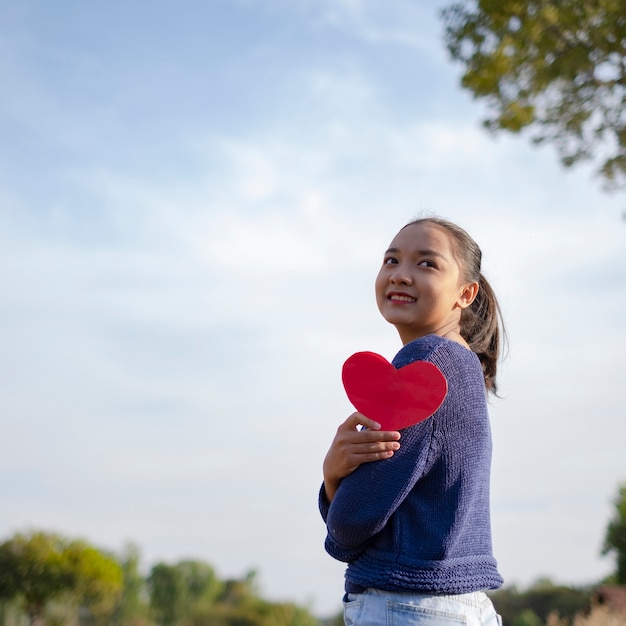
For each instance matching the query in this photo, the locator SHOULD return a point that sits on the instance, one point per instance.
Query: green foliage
(97, 578)
(40, 567)
(59, 582)
(189, 593)
(533, 606)
(615, 538)
(203, 586)
(177, 591)
(557, 67)
(168, 594)
(527, 618)
(32, 570)
(254, 612)
(131, 609)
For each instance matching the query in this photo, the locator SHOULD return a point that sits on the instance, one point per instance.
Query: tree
(557, 67)
(203, 586)
(178, 591)
(190, 593)
(527, 618)
(38, 567)
(615, 538)
(131, 608)
(168, 594)
(542, 599)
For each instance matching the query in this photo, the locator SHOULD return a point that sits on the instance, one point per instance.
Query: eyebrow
(420, 253)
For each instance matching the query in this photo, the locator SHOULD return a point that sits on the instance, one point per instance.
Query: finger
(373, 428)
(379, 456)
(376, 447)
(358, 419)
(367, 457)
(377, 435)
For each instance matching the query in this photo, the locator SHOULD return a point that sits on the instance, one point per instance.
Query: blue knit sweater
(419, 521)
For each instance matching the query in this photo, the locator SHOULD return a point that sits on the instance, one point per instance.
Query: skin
(421, 291)
(419, 288)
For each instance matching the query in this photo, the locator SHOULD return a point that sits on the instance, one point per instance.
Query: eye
(390, 260)
(426, 263)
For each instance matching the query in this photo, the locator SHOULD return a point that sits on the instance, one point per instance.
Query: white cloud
(260, 246)
(395, 22)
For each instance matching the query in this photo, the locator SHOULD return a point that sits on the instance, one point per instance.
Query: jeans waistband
(477, 599)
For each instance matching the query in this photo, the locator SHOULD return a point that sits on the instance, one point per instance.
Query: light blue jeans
(384, 608)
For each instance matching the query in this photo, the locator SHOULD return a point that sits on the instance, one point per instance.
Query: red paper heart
(396, 398)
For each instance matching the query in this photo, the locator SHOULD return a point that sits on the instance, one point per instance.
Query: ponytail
(481, 324)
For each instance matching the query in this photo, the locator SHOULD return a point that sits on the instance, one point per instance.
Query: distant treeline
(534, 606)
(49, 580)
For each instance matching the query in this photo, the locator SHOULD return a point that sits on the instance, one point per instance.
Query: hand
(351, 447)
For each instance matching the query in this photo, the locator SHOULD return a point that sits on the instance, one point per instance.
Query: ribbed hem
(454, 576)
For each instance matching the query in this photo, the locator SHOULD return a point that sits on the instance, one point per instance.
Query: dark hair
(482, 325)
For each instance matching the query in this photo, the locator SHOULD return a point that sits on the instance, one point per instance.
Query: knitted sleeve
(366, 499)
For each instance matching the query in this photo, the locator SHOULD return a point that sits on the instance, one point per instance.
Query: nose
(400, 276)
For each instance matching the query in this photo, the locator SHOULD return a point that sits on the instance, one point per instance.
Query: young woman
(409, 511)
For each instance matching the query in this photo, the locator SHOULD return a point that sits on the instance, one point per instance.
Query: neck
(450, 330)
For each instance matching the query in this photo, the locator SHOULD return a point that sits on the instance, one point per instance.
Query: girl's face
(420, 289)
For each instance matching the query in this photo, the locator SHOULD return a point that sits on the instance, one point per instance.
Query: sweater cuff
(323, 503)
(342, 553)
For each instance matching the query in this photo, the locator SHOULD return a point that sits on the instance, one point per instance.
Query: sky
(194, 202)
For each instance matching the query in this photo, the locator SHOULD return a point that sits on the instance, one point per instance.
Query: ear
(467, 295)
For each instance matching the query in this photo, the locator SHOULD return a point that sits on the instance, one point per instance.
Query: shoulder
(465, 404)
(435, 349)
(458, 364)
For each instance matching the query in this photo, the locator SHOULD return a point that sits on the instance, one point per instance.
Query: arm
(365, 499)
(352, 447)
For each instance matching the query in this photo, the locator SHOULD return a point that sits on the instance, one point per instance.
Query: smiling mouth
(400, 297)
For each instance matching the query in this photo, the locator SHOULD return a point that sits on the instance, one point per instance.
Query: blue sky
(194, 202)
